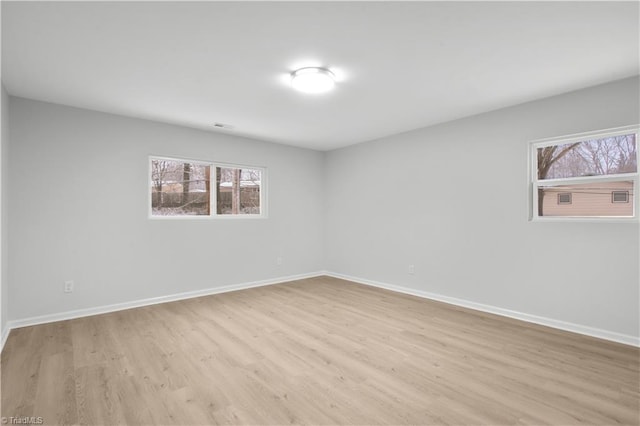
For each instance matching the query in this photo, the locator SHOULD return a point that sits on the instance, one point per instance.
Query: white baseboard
(25, 322)
(549, 322)
(562, 325)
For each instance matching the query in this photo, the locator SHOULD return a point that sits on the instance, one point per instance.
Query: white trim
(586, 179)
(3, 337)
(586, 219)
(79, 313)
(549, 322)
(580, 137)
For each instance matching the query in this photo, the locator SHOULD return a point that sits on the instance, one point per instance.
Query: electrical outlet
(411, 270)
(68, 286)
(279, 260)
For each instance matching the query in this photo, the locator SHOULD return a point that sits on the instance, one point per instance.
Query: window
(619, 196)
(185, 188)
(179, 188)
(564, 198)
(237, 190)
(592, 175)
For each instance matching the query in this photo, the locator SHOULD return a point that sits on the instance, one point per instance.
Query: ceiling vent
(222, 126)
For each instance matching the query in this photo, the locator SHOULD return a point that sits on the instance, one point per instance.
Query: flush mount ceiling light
(312, 80)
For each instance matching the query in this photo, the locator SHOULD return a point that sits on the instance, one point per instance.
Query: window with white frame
(619, 196)
(564, 198)
(186, 188)
(592, 175)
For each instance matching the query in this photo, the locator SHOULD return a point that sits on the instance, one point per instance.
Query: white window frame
(613, 197)
(213, 202)
(534, 183)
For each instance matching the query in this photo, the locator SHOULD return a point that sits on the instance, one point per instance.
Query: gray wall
(452, 200)
(4, 228)
(79, 161)
(449, 199)
(4, 140)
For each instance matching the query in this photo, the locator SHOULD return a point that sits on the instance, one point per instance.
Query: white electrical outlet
(411, 270)
(68, 286)
(279, 260)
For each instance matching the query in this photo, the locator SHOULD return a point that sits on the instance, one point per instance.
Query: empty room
(336, 213)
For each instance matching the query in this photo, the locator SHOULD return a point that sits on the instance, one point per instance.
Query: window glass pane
(250, 191)
(597, 157)
(620, 196)
(564, 198)
(238, 190)
(179, 188)
(601, 199)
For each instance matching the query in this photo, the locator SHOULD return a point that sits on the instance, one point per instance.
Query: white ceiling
(402, 65)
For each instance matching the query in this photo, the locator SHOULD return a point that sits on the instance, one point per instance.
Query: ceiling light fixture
(313, 80)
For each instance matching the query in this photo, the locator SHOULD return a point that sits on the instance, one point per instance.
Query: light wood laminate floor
(315, 351)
